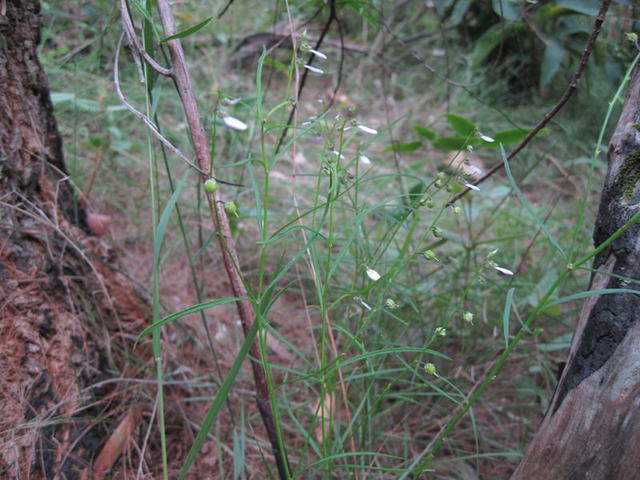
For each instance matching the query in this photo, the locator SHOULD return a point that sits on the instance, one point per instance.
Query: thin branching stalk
(180, 75)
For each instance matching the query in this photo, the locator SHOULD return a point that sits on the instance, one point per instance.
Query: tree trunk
(59, 302)
(592, 427)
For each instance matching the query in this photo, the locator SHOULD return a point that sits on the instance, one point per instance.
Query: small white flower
(338, 154)
(234, 123)
(472, 187)
(372, 274)
(364, 159)
(368, 130)
(486, 138)
(504, 271)
(313, 69)
(318, 54)
(233, 101)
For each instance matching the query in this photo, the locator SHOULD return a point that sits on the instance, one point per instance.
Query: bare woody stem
(182, 81)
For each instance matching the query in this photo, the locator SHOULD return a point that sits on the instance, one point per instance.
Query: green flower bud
(429, 255)
(632, 37)
(437, 232)
(391, 304)
(231, 208)
(210, 186)
(430, 368)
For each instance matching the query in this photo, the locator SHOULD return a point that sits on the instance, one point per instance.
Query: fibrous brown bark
(58, 300)
(592, 427)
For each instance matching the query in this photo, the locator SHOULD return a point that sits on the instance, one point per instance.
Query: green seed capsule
(231, 208)
(210, 186)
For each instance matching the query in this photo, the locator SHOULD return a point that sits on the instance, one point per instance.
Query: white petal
(365, 305)
(504, 271)
(234, 123)
(373, 275)
(318, 54)
(473, 170)
(472, 187)
(364, 159)
(234, 101)
(368, 130)
(486, 138)
(313, 69)
(337, 153)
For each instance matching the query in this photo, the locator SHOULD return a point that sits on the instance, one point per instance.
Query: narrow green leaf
(143, 10)
(506, 314)
(424, 132)
(188, 31)
(192, 309)
(164, 219)
(219, 400)
(404, 147)
(593, 293)
(527, 206)
(462, 126)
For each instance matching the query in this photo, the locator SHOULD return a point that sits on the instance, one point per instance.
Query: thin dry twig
(133, 39)
(568, 93)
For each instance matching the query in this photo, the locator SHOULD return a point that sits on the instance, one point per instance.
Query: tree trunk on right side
(592, 427)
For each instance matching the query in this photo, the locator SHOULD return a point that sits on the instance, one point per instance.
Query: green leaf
(188, 31)
(491, 38)
(508, 137)
(458, 11)
(507, 9)
(552, 59)
(586, 7)
(404, 147)
(462, 126)
(506, 314)
(424, 132)
(450, 143)
(192, 309)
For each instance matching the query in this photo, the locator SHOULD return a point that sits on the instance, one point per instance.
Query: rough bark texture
(592, 427)
(59, 302)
